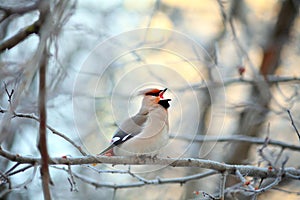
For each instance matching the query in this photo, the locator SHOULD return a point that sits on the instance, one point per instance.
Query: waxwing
(147, 131)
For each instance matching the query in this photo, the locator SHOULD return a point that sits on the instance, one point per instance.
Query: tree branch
(222, 186)
(23, 33)
(21, 9)
(143, 181)
(19, 36)
(21, 185)
(42, 141)
(238, 80)
(293, 124)
(246, 170)
(237, 138)
(54, 131)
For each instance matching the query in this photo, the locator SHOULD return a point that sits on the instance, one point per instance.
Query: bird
(147, 131)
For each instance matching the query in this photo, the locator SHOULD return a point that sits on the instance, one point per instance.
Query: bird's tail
(106, 149)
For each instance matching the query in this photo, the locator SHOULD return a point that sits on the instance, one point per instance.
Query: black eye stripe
(156, 94)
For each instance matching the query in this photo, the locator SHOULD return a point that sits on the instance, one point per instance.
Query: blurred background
(209, 53)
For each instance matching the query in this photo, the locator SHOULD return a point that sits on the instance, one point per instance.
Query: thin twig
(286, 191)
(22, 185)
(211, 197)
(12, 168)
(278, 156)
(293, 124)
(236, 138)
(243, 180)
(5, 179)
(102, 171)
(143, 182)
(24, 8)
(9, 94)
(222, 185)
(114, 194)
(19, 170)
(72, 180)
(268, 187)
(54, 131)
(277, 180)
(265, 145)
(242, 52)
(238, 80)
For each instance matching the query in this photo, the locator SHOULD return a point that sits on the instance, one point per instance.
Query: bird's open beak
(161, 94)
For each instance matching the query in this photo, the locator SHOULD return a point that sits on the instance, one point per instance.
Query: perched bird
(146, 132)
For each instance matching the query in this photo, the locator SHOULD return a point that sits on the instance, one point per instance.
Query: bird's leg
(144, 157)
(109, 153)
(141, 157)
(154, 157)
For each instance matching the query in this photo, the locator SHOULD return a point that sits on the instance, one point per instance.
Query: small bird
(147, 131)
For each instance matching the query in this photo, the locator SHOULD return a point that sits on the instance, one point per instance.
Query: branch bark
(22, 8)
(42, 142)
(140, 183)
(53, 130)
(246, 170)
(23, 33)
(19, 36)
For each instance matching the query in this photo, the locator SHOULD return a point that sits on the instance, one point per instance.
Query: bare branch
(243, 180)
(286, 191)
(26, 182)
(9, 94)
(29, 180)
(278, 156)
(222, 186)
(211, 197)
(42, 141)
(242, 52)
(143, 182)
(261, 150)
(4, 179)
(21, 9)
(237, 138)
(72, 180)
(180, 162)
(239, 80)
(19, 170)
(293, 124)
(261, 190)
(19, 36)
(54, 131)
(12, 10)
(277, 180)
(12, 168)
(23, 33)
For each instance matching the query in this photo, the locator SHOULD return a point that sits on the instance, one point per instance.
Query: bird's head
(152, 97)
(153, 92)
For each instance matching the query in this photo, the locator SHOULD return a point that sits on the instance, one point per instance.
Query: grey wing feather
(133, 125)
(128, 129)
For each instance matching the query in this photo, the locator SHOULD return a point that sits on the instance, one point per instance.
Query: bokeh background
(105, 51)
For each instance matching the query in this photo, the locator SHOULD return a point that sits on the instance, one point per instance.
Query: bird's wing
(128, 129)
